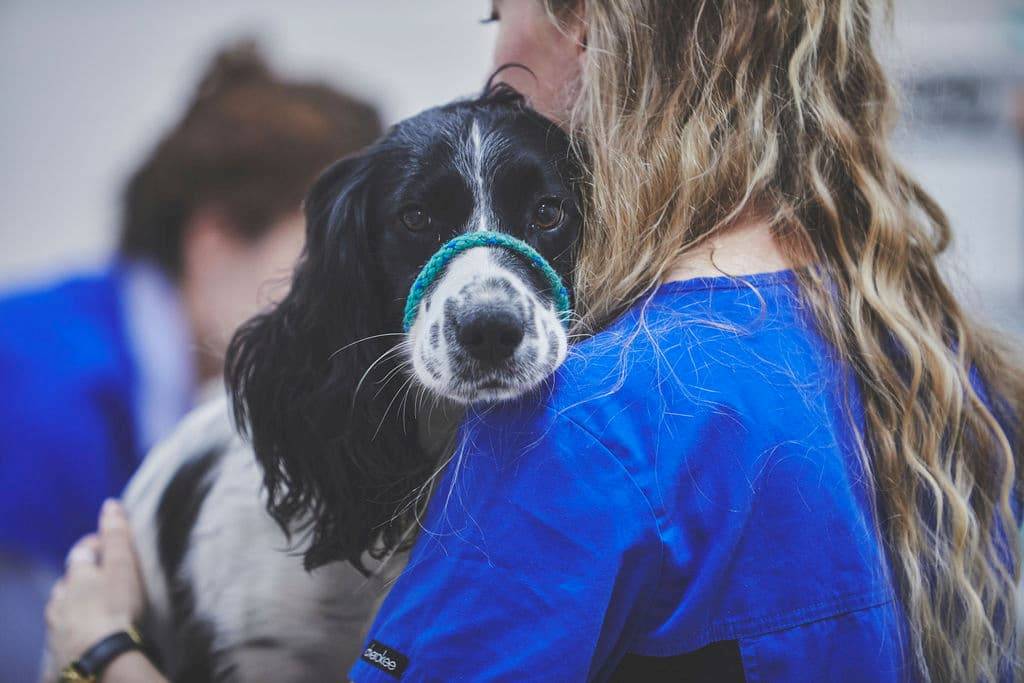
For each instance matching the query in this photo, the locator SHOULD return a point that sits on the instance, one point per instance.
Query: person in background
(98, 367)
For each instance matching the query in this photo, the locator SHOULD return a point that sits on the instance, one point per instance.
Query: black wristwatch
(93, 661)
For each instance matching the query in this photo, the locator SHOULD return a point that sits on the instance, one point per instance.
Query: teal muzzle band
(452, 248)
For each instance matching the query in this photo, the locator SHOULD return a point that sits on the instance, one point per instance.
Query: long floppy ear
(309, 385)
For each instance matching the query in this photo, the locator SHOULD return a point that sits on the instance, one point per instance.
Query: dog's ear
(309, 385)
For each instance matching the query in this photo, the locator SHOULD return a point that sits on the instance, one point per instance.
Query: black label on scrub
(387, 659)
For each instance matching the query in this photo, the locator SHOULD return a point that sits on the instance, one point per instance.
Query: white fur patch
(476, 155)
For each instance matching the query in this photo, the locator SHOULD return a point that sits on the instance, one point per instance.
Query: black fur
(308, 379)
(177, 513)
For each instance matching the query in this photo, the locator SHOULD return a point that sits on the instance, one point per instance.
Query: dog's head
(320, 382)
(487, 327)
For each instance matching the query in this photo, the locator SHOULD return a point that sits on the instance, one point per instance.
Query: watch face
(72, 673)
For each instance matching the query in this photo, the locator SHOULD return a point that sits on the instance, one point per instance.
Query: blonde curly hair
(694, 112)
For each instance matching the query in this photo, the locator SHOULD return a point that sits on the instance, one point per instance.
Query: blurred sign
(969, 103)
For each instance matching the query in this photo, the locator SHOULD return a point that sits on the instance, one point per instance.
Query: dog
(270, 526)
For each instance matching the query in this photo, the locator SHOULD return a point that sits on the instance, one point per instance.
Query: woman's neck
(746, 247)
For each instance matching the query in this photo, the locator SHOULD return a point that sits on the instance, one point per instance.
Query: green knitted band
(449, 250)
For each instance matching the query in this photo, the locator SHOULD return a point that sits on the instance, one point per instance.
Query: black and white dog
(330, 393)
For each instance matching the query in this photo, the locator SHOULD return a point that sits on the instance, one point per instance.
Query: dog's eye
(548, 214)
(415, 218)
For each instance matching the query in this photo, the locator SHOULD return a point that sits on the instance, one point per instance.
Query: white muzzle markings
(475, 281)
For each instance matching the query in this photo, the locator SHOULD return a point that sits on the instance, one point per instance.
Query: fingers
(57, 593)
(116, 540)
(85, 551)
(82, 563)
(55, 603)
(92, 542)
(50, 613)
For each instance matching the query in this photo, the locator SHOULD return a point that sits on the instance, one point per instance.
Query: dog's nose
(489, 335)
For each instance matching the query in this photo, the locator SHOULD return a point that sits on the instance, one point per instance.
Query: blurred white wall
(961, 63)
(88, 86)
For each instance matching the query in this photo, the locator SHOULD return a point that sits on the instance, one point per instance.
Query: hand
(100, 593)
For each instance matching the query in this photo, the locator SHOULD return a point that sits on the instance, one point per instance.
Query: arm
(132, 667)
(100, 594)
(535, 561)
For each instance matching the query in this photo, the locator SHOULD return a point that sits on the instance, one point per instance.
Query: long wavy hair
(697, 112)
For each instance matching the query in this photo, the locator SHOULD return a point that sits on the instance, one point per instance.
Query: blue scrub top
(67, 422)
(686, 489)
(94, 369)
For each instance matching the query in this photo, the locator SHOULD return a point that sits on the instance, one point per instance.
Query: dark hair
(310, 380)
(249, 144)
(294, 374)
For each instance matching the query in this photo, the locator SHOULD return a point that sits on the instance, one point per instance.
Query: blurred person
(99, 366)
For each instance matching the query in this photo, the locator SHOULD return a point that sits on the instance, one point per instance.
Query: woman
(773, 458)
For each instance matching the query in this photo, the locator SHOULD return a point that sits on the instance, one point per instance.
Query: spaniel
(271, 524)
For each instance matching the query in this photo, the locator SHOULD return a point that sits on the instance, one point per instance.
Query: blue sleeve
(67, 423)
(534, 562)
(57, 468)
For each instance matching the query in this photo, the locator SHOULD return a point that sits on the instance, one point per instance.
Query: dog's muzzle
(452, 248)
(481, 330)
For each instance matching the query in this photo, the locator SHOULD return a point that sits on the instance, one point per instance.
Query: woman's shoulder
(691, 354)
(700, 342)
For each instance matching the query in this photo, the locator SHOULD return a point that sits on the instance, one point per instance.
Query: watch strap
(94, 660)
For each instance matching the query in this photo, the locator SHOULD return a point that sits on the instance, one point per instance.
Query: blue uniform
(686, 490)
(67, 424)
(93, 370)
